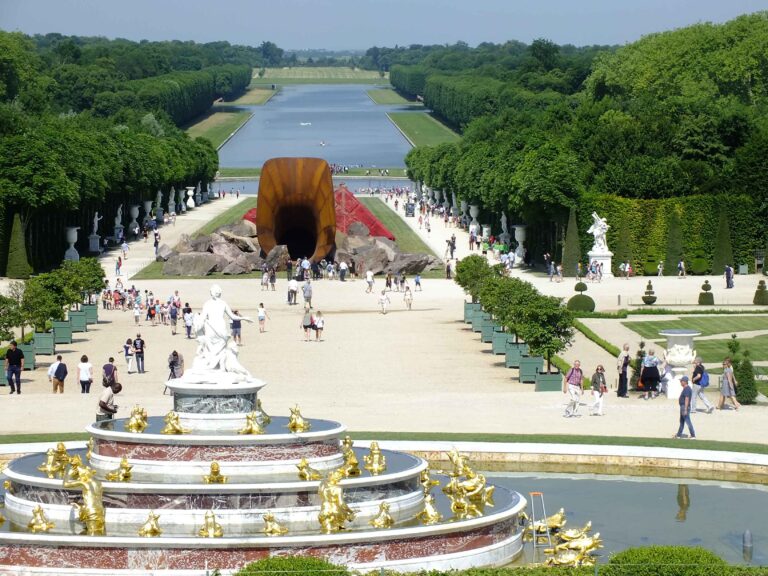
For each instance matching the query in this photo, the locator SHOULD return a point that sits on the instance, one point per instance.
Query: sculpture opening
(296, 207)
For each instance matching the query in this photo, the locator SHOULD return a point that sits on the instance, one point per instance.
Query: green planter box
(479, 319)
(469, 311)
(91, 313)
(500, 340)
(29, 356)
(512, 357)
(549, 382)
(529, 366)
(487, 331)
(44, 343)
(77, 321)
(62, 332)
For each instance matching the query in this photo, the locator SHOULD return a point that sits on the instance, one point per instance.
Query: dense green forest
(672, 128)
(87, 124)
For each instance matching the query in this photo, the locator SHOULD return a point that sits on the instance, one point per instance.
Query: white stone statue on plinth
(217, 350)
(72, 253)
(118, 233)
(600, 252)
(474, 225)
(455, 206)
(198, 200)
(147, 211)
(94, 240)
(505, 236)
(158, 207)
(172, 201)
(520, 252)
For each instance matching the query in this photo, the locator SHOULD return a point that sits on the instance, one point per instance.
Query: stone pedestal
(605, 258)
(159, 214)
(486, 231)
(72, 253)
(94, 243)
(679, 355)
(147, 210)
(520, 239)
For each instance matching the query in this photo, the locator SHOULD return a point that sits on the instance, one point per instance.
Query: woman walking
(319, 325)
(272, 278)
(598, 390)
(649, 375)
(408, 297)
(85, 374)
(262, 315)
(728, 389)
(306, 323)
(128, 353)
(383, 301)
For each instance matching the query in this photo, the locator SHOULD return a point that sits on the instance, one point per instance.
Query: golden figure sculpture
(51, 465)
(272, 527)
(122, 473)
(39, 522)
(89, 452)
(306, 472)
(430, 514)
(72, 472)
(383, 519)
(151, 528)
(375, 462)
(252, 425)
(570, 558)
(262, 417)
(211, 528)
(475, 487)
(2, 519)
(334, 511)
(574, 533)
(91, 512)
(461, 506)
(582, 545)
(351, 465)
(551, 524)
(215, 476)
(8, 486)
(296, 422)
(137, 423)
(173, 424)
(459, 462)
(62, 457)
(426, 482)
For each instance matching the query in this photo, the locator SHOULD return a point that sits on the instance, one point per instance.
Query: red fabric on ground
(250, 215)
(349, 210)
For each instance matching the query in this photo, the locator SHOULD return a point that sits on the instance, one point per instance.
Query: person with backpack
(700, 381)
(56, 375)
(109, 373)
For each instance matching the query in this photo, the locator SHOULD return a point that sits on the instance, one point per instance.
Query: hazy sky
(359, 24)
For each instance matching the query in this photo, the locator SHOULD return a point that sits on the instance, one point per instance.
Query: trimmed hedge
(18, 263)
(581, 303)
(292, 566)
(604, 344)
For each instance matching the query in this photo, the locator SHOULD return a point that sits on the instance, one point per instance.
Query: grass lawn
(407, 240)
(716, 350)
(218, 124)
(707, 326)
(319, 75)
(389, 96)
(421, 129)
(239, 172)
(255, 96)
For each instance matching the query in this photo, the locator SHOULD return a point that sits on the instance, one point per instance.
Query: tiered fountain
(217, 483)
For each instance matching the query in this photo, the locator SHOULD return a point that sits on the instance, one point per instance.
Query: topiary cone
(761, 294)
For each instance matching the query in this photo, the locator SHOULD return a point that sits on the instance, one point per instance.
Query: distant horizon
(355, 26)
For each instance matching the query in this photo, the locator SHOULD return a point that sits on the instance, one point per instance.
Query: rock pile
(235, 250)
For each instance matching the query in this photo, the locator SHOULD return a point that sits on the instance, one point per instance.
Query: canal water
(355, 185)
(339, 123)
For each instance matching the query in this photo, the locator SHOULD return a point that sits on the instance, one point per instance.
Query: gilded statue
(351, 465)
(211, 528)
(461, 506)
(89, 452)
(375, 461)
(383, 518)
(51, 465)
(91, 512)
(215, 476)
(334, 511)
(297, 423)
(151, 528)
(306, 472)
(173, 424)
(262, 417)
(570, 558)
(72, 472)
(429, 515)
(575, 533)
(39, 522)
(2, 519)
(459, 462)
(426, 482)
(252, 425)
(62, 457)
(272, 527)
(137, 423)
(8, 486)
(475, 487)
(122, 473)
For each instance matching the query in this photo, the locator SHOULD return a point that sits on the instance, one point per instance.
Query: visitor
(124, 248)
(109, 373)
(448, 270)
(85, 375)
(622, 365)
(128, 353)
(700, 381)
(14, 364)
(262, 315)
(264, 278)
(272, 278)
(306, 323)
(237, 328)
(319, 324)
(728, 276)
(189, 320)
(417, 282)
(293, 290)
(57, 372)
(598, 390)
(383, 301)
(408, 297)
(388, 281)
(156, 242)
(343, 271)
(173, 315)
(573, 386)
(560, 272)
(681, 269)
(685, 409)
(660, 268)
(107, 406)
(369, 280)
(649, 375)
(288, 268)
(139, 345)
(306, 291)
(728, 387)
(118, 265)
(175, 365)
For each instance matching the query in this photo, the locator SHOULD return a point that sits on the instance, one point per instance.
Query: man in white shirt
(293, 289)
(56, 375)
(343, 271)
(369, 279)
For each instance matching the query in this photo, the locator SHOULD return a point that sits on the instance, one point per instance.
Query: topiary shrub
(571, 248)
(761, 294)
(581, 302)
(580, 287)
(744, 372)
(291, 566)
(700, 266)
(706, 298)
(18, 264)
(664, 561)
(651, 266)
(649, 297)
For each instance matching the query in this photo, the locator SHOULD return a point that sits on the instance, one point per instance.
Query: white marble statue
(119, 217)
(599, 229)
(216, 348)
(172, 201)
(505, 236)
(158, 198)
(96, 220)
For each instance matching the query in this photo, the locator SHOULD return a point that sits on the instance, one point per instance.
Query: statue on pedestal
(172, 201)
(599, 229)
(91, 511)
(119, 217)
(505, 236)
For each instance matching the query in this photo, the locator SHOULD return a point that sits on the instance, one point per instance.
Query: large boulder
(225, 249)
(164, 252)
(243, 243)
(200, 243)
(244, 228)
(358, 243)
(343, 256)
(358, 229)
(255, 260)
(190, 264)
(375, 260)
(222, 262)
(184, 245)
(277, 257)
(410, 263)
(388, 246)
(342, 242)
(239, 266)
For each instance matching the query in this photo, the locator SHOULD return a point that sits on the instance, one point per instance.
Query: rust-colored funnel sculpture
(296, 207)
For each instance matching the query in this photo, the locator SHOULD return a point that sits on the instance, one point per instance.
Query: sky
(360, 24)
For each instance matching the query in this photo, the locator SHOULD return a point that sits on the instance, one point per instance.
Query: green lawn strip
(283, 81)
(422, 129)
(219, 124)
(239, 172)
(30, 438)
(390, 97)
(650, 329)
(716, 350)
(407, 240)
(591, 335)
(564, 439)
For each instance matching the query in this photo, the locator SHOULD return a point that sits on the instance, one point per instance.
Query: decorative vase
(72, 253)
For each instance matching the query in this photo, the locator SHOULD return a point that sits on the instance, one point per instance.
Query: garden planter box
(479, 320)
(546, 382)
(44, 343)
(487, 331)
(500, 340)
(91, 313)
(469, 311)
(77, 321)
(29, 356)
(62, 332)
(529, 366)
(514, 353)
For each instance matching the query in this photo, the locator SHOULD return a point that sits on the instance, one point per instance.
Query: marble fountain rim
(194, 439)
(215, 389)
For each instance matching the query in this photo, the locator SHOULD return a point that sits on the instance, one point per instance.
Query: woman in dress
(728, 389)
(649, 374)
(408, 297)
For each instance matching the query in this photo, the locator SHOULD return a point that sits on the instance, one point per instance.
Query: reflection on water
(683, 502)
(356, 185)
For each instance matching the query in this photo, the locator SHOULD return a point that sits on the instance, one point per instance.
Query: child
(262, 314)
(417, 282)
(408, 297)
(383, 301)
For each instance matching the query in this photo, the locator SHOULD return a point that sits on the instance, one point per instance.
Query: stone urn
(134, 213)
(71, 235)
(147, 210)
(520, 240)
(679, 355)
(474, 225)
(190, 197)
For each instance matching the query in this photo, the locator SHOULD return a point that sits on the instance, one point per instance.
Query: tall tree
(572, 247)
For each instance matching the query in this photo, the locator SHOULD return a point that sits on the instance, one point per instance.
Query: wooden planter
(45, 343)
(487, 330)
(546, 382)
(469, 311)
(78, 321)
(529, 366)
(479, 319)
(62, 332)
(91, 313)
(29, 356)
(500, 340)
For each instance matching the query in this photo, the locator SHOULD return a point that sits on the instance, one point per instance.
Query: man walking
(56, 375)
(293, 289)
(343, 271)
(369, 280)
(138, 350)
(700, 380)
(14, 364)
(685, 409)
(572, 385)
(306, 291)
